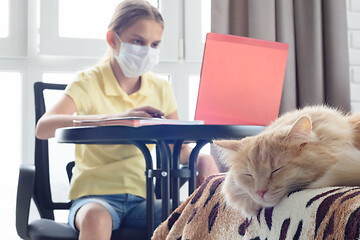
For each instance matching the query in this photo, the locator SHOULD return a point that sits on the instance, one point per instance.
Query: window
(205, 18)
(4, 19)
(13, 28)
(64, 33)
(92, 24)
(10, 103)
(194, 81)
(57, 77)
(195, 30)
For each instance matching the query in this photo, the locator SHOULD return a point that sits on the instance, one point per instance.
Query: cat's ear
(301, 131)
(227, 144)
(226, 148)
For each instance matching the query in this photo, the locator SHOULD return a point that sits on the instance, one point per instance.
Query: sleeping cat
(309, 148)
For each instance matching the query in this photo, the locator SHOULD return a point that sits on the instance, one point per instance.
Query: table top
(152, 133)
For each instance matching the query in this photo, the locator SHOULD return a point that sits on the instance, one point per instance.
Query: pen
(156, 115)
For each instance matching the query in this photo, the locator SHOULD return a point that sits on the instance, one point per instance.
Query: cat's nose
(261, 192)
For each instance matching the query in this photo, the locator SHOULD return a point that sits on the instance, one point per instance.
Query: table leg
(149, 187)
(165, 157)
(192, 163)
(176, 179)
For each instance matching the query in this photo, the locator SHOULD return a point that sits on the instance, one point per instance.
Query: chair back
(39, 176)
(42, 189)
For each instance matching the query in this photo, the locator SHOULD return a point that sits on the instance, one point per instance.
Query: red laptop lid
(241, 80)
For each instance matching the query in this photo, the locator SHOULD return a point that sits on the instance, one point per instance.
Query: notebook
(241, 80)
(133, 122)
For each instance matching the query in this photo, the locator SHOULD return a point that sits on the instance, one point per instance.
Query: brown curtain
(316, 30)
(317, 70)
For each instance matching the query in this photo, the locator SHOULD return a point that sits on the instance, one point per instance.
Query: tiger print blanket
(327, 213)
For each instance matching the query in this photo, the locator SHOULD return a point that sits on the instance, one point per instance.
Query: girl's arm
(62, 115)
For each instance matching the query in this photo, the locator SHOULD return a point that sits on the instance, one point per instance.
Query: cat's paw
(250, 209)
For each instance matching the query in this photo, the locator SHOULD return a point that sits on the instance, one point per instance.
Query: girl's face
(143, 32)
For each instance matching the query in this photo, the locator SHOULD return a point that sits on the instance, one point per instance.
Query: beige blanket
(327, 213)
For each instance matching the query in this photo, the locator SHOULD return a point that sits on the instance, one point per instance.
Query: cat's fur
(309, 148)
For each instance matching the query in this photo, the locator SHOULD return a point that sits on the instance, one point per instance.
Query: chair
(34, 183)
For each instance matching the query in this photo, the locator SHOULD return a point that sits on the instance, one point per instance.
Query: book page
(134, 122)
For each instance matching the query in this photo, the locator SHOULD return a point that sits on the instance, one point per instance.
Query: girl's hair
(127, 13)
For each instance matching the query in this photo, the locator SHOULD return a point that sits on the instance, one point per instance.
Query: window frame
(52, 44)
(192, 31)
(15, 45)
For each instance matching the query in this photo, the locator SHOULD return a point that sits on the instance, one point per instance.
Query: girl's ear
(111, 39)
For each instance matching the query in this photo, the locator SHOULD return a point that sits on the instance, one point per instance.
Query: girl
(108, 185)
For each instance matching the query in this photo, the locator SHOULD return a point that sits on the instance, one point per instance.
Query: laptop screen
(241, 80)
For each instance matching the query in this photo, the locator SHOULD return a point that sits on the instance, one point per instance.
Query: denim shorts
(126, 210)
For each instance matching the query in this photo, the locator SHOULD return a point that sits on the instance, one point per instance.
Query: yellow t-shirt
(112, 169)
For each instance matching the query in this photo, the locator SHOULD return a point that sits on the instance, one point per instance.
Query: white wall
(354, 52)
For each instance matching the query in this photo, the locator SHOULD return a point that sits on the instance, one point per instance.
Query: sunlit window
(59, 154)
(10, 103)
(86, 19)
(194, 81)
(4, 18)
(62, 78)
(205, 18)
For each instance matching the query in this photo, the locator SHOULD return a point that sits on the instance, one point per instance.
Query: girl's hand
(146, 111)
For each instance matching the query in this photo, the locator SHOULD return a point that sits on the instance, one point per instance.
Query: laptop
(241, 80)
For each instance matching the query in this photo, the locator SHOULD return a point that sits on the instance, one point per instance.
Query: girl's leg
(137, 216)
(206, 166)
(93, 221)
(94, 217)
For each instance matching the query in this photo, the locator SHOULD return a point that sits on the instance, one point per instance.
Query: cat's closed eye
(248, 175)
(276, 170)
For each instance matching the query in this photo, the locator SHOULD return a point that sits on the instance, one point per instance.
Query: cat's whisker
(298, 186)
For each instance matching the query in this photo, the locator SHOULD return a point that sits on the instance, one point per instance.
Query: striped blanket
(326, 213)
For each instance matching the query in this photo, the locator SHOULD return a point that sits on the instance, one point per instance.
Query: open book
(134, 122)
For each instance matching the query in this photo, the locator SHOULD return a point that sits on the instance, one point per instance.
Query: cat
(313, 147)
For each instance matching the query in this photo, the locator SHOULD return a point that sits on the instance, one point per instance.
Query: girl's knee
(93, 217)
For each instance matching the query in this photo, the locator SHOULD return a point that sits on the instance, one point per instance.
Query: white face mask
(135, 60)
